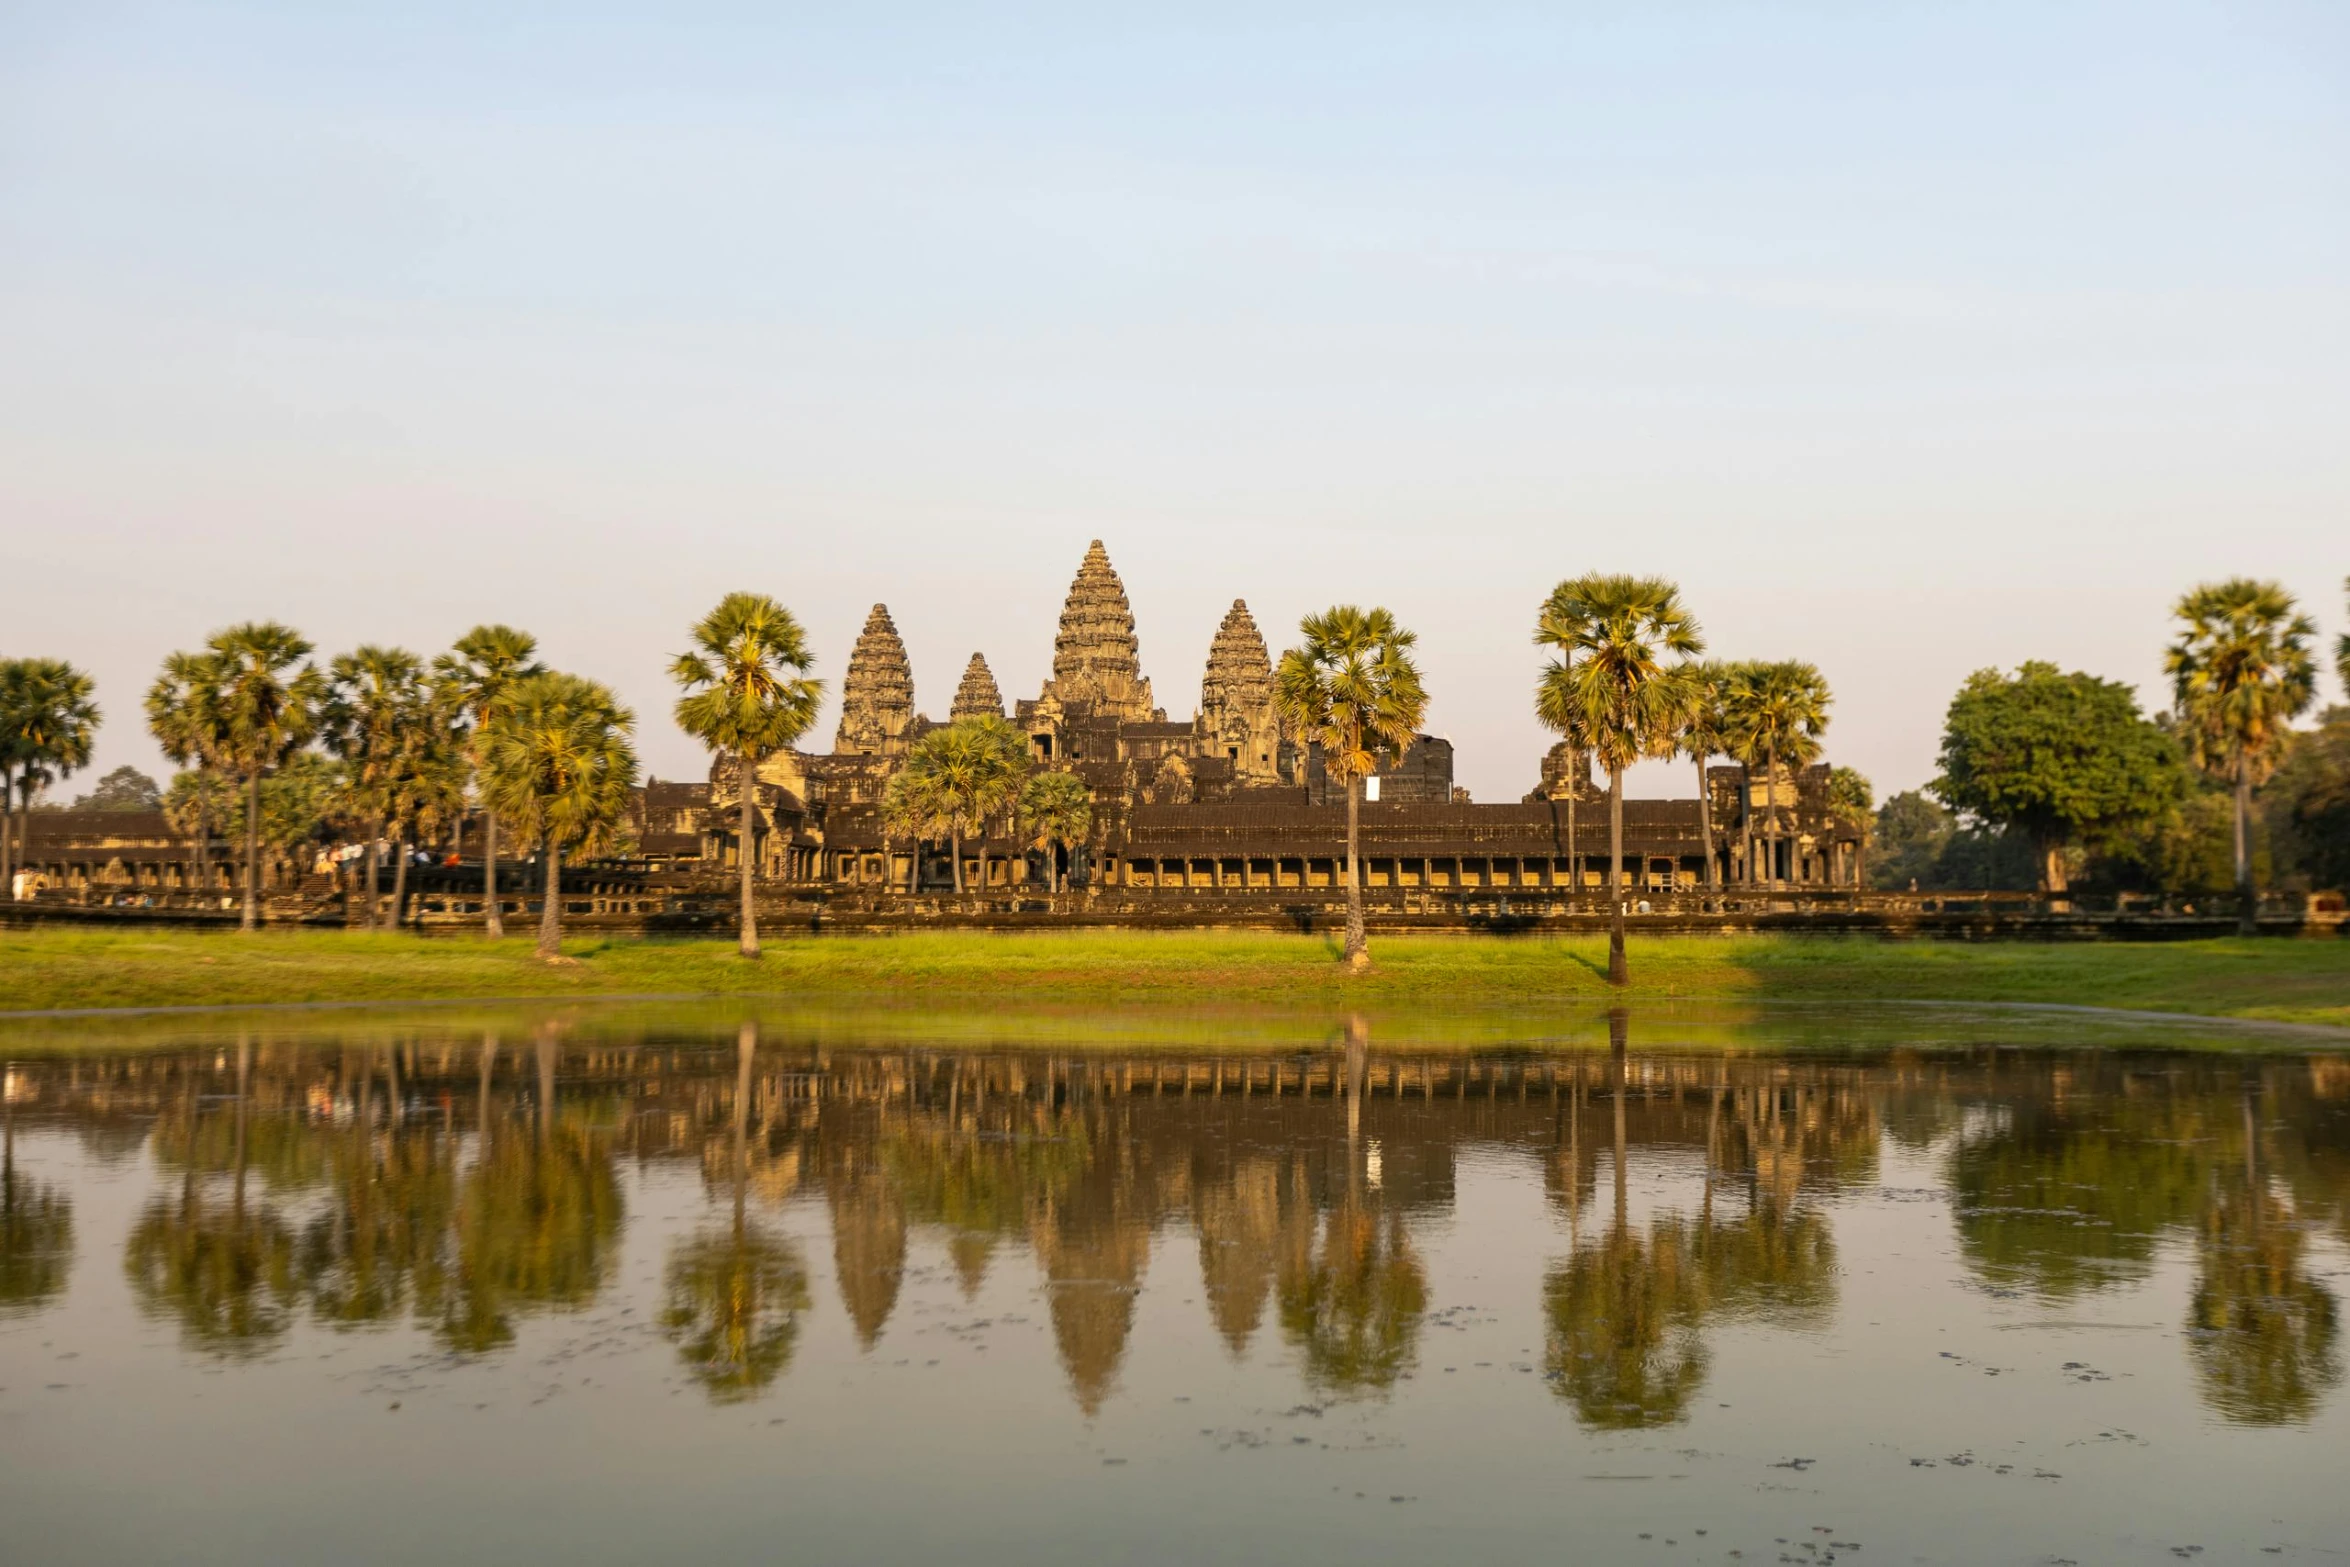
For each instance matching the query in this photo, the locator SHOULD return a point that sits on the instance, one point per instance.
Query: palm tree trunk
(1619, 972)
(8, 830)
(494, 922)
(203, 830)
(2247, 901)
(1358, 947)
(1746, 821)
(1705, 826)
(246, 919)
(400, 850)
(1574, 854)
(955, 848)
(551, 901)
(747, 830)
(1771, 783)
(370, 904)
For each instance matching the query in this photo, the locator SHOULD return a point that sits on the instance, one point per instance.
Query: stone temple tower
(877, 693)
(977, 696)
(1097, 664)
(1237, 717)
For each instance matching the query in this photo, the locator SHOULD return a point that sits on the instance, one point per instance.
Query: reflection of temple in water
(468, 1188)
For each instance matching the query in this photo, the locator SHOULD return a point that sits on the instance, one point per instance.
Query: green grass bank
(2272, 980)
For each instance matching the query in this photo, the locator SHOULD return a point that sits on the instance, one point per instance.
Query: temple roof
(1097, 661)
(977, 696)
(1239, 673)
(877, 693)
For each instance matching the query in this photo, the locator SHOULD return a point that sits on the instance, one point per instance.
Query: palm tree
(559, 764)
(1704, 736)
(12, 699)
(476, 675)
(1058, 810)
(427, 795)
(183, 713)
(376, 701)
(48, 721)
(1612, 636)
(964, 775)
(747, 697)
(269, 710)
(1778, 711)
(913, 805)
(1352, 687)
(2241, 671)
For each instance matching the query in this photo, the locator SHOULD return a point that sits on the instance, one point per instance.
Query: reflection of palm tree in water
(36, 1233)
(1353, 1306)
(2260, 1330)
(537, 1221)
(227, 1277)
(735, 1296)
(1623, 1342)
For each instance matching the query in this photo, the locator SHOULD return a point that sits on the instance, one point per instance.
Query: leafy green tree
(2059, 757)
(124, 789)
(1612, 637)
(915, 806)
(747, 697)
(2241, 671)
(427, 794)
(375, 702)
(1852, 803)
(1778, 710)
(559, 765)
(269, 710)
(1352, 687)
(1057, 809)
(1911, 833)
(478, 675)
(48, 722)
(961, 777)
(2309, 804)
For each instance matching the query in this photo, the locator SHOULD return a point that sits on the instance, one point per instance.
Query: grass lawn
(2305, 981)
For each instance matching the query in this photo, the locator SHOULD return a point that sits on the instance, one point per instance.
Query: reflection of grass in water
(2307, 981)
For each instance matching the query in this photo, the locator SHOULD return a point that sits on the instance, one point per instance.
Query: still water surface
(536, 1292)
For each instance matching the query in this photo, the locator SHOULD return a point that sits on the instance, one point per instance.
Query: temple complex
(1201, 819)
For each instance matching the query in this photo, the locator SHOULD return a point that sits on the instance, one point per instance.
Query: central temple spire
(1097, 662)
(877, 693)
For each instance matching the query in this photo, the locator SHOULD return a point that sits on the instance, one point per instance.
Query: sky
(1908, 339)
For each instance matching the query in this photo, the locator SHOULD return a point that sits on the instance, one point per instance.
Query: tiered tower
(977, 696)
(1097, 664)
(877, 693)
(1237, 716)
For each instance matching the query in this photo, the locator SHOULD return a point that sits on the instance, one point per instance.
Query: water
(611, 1287)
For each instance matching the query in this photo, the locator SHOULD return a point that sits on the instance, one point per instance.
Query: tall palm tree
(1612, 636)
(1564, 719)
(269, 710)
(915, 806)
(747, 697)
(965, 775)
(375, 705)
(12, 698)
(427, 795)
(477, 674)
(184, 715)
(1058, 811)
(558, 764)
(1778, 710)
(48, 723)
(2241, 671)
(1704, 736)
(1352, 687)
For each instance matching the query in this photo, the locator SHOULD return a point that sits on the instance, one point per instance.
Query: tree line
(2063, 768)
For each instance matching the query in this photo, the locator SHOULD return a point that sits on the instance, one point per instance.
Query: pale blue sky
(1908, 338)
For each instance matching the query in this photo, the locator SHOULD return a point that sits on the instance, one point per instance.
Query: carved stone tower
(977, 696)
(877, 693)
(1237, 716)
(1097, 664)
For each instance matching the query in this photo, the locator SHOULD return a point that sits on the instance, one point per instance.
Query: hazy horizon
(1907, 343)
